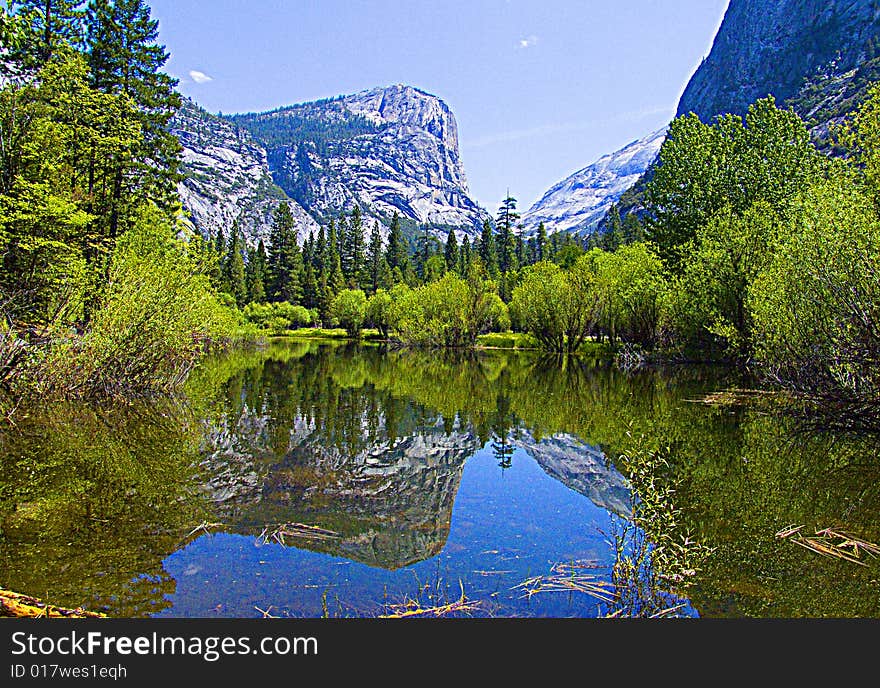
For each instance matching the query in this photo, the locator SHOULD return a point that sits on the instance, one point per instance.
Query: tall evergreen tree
(124, 57)
(310, 286)
(451, 251)
(234, 271)
(256, 274)
(488, 251)
(541, 244)
(464, 260)
(374, 258)
(506, 245)
(285, 268)
(353, 260)
(396, 254)
(51, 24)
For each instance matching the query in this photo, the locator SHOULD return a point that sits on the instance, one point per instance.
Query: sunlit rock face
(388, 150)
(227, 180)
(579, 202)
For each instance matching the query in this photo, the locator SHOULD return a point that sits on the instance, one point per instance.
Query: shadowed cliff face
(770, 46)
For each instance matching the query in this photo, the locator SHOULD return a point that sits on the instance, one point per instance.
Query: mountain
(389, 149)
(227, 177)
(818, 57)
(578, 203)
(772, 46)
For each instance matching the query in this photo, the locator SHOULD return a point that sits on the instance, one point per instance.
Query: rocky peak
(227, 178)
(388, 150)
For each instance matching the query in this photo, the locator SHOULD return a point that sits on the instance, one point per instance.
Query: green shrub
(349, 309)
(156, 318)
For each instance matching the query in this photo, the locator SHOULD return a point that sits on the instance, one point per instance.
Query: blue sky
(540, 89)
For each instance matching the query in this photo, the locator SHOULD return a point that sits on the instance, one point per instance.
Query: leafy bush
(349, 309)
(448, 312)
(278, 317)
(557, 307)
(817, 306)
(156, 318)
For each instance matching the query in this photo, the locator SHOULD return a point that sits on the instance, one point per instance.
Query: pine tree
(50, 25)
(521, 251)
(632, 231)
(310, 286)
(234, 271)
(320, 251)
(488, 251)
(451, 251)
(125, 58)
(256, 274)
(396, 254)
(374, 259)
(285, 266)
(541, 244)
(355, 249)
(464, 259)
(505, 221)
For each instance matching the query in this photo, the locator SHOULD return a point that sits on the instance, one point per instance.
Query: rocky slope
(389, 149)
(817, 56)
(578, 203)
(227, 177)
(771, 46)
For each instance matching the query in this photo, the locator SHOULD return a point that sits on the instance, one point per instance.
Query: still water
(315, 480)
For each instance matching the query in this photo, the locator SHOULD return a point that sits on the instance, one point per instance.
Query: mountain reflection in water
(418, 471)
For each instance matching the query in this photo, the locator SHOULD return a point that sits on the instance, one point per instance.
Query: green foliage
(62, 144)
(861, 137)
(124, 58)
(284, 265)
(630, 289)
(379, 311)
(817, 305)
(707, 305)
(233, 268)
(278, 317)
(156, 317)
(349, 309)
(730, 163)
(558, 308)
(448, 312)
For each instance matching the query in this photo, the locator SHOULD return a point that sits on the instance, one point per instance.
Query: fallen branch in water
(832, 543)
(412, 609)
(295, 530)
(13, 604)
(567, 578)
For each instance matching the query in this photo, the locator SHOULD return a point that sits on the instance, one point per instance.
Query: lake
(306, 479)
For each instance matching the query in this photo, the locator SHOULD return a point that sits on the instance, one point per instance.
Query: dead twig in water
(295, 530)
(412, 609)
(566, 578)
(832, 543)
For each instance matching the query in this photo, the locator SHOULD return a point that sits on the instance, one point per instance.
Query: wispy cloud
(561, 128)
(528, 42)
(199, 77)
